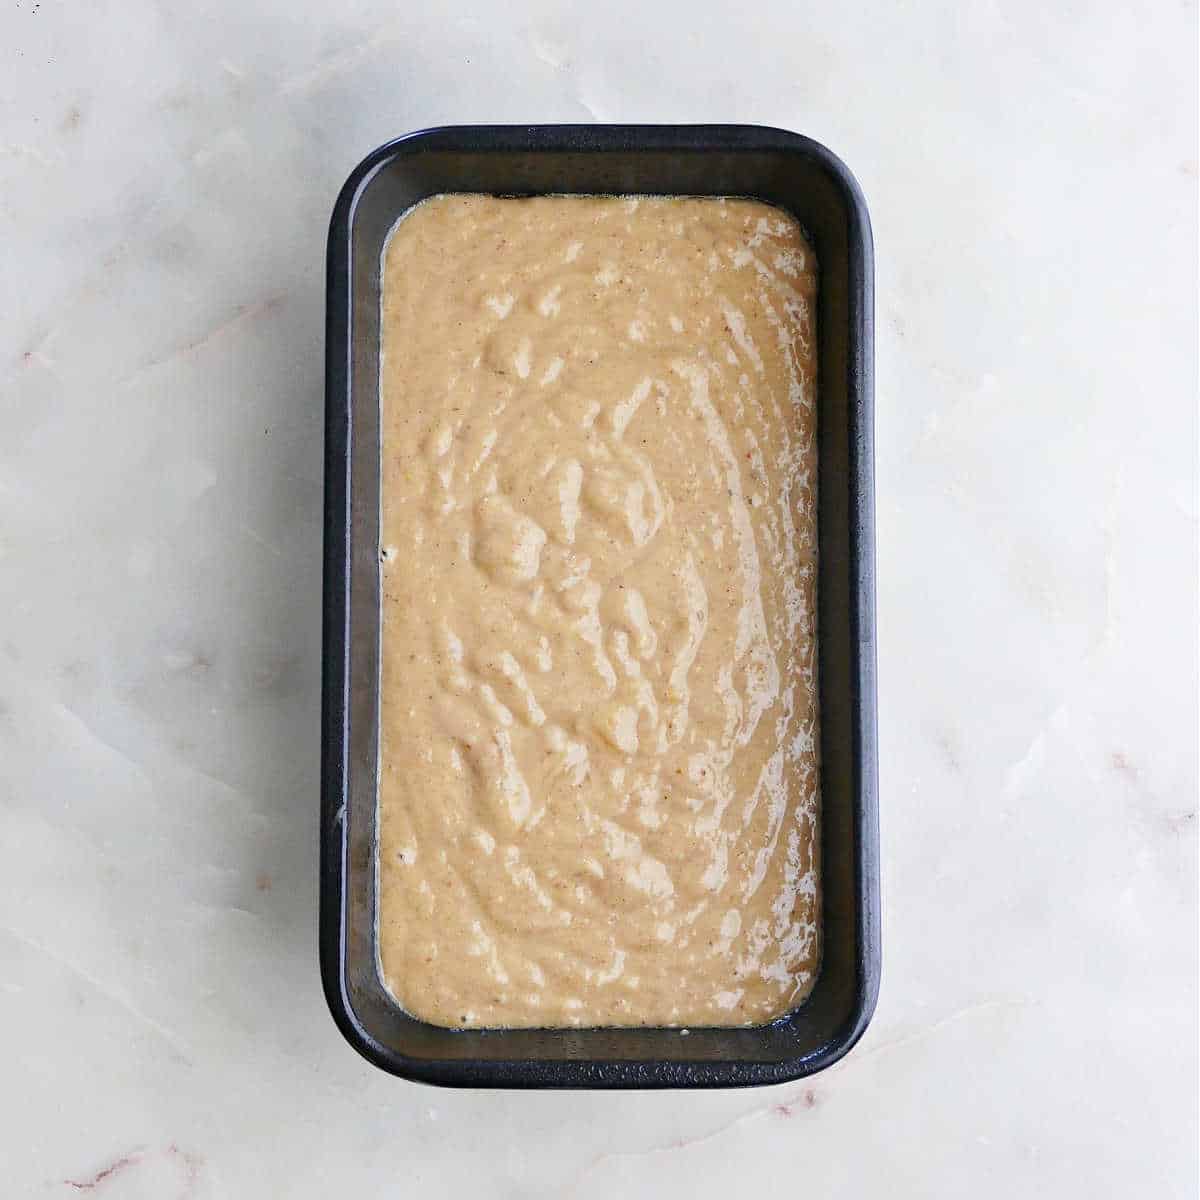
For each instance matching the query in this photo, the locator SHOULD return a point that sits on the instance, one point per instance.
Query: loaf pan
(784, 169)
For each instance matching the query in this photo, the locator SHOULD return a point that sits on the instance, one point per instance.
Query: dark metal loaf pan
(806, 179)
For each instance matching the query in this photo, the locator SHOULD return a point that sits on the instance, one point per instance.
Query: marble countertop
(166, 176)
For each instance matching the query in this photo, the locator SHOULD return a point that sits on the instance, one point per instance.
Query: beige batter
(599, 773)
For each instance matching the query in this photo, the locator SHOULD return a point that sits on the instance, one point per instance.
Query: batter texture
(599, 765)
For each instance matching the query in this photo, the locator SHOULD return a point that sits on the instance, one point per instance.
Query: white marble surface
(166, 174)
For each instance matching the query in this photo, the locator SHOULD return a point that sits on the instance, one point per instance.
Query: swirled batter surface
(598, 764)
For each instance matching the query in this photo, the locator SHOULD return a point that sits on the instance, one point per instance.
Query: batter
(598, 762)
